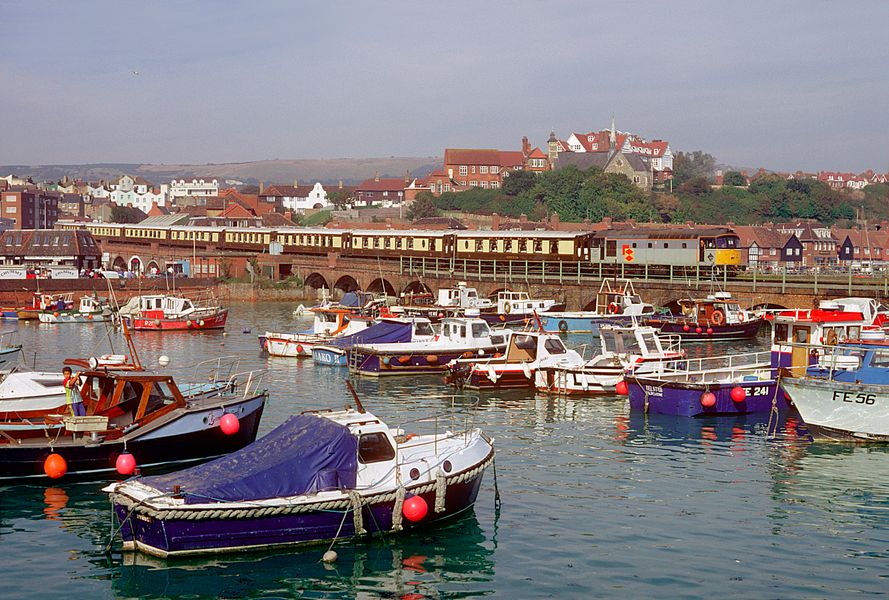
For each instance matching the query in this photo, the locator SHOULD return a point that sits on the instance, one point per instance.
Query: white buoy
(329, 557)
(164, 360)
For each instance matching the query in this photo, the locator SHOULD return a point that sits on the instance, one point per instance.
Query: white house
(198, 188)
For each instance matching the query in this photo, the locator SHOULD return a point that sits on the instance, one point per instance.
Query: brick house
(481, 168)
(818, 242)
(30, 207)
(385, 191)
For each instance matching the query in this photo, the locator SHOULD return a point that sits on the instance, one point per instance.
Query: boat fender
(299, 348)
(492, 374)
(432, 359)
(526, 369)
(563, 326)
(708, 400)
(157, 322)
(188, 323)
(201, 323)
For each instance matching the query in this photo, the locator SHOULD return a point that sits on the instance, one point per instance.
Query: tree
(734, 178)
(518, 182)
(687, 166)
(126, 214)
(422, 207)
(339, 198)
(697, 186)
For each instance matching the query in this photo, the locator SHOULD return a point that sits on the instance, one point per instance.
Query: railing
(457, 422)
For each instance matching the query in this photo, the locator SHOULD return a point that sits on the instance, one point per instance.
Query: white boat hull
(837, 410)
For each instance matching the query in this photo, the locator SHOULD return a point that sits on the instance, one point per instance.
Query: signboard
(13, 273)
(628, 252)
(63, 272)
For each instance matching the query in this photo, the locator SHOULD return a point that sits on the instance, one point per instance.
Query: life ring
(613, 308)
(718, 317)
(563, 326)
(831, 337)
(741, 317)
(507, 307)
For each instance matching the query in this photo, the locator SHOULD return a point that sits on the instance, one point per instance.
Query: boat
(135, 412)
(798, 335)
(169, 312)
(328, 324)
(318, 477)
(616, 303)
(717, 385)
(459, 337)
(42, 302)
(461, 298)
(635, 349)
(10, 348)
(841, 410)
(388, 330)
(90, 309)
(716, 317)
(526, 354)
(518, 307)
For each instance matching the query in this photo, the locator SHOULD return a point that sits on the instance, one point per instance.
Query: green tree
(697, 186)
(422, 207)
(339, 198)
(126, 214)
(518, 182)
(689, 165)
(734, 178)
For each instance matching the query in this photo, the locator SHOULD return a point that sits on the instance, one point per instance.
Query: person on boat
(73, 399)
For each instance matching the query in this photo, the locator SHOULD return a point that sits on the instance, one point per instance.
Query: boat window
(880, 359)
(479, 330)
(854, 333)
(801, 335)
(374, 447)
(524, 342)
(554, 346)
(781, 332)
(423, 328)
(462, 331)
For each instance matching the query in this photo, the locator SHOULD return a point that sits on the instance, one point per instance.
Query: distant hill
(349, 170)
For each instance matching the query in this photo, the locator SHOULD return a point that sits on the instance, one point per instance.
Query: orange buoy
(55, 466)
(404, 359)
(622, 388)
(698, 330)
(299, 348)
(432, 359)
(708, 400)
(414, 508)
(55, 314)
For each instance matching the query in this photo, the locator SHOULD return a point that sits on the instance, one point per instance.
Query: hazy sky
(780, 84)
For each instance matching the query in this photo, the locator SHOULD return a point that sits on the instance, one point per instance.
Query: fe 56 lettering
(854, 398)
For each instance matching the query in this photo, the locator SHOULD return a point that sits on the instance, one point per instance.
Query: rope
(357, 517)
(496, 487)
(773, 414)
(441, 488)
(396, 510)
(269, 511)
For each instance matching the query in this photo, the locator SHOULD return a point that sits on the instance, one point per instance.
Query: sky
(784, 85)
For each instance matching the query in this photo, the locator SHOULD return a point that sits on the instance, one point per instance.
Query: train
(679, 245)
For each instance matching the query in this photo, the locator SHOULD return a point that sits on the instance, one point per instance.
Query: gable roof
(381, 185)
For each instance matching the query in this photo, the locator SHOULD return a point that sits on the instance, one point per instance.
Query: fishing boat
(616, 303)
(716, 385)
(328, 324)
(459, 337)
(167, 312)
(518, 307)
(42, 302)
(388, 330)
(90, 309)
(798, 335)
(526, 354)
(716, 317)
(318, 477)
(141, 414)
(638, 349)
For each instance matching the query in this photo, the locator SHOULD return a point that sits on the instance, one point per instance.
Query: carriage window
(553, 247)
(478, 245)
(374, 447)
(611, 248)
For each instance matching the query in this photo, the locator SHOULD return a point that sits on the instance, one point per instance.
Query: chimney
(261, 188)
(495, 222)
(607, 221)
(526, 147)
(341, 184)
(295, 182)
(554, 221)
(407, 177)
(376, 175)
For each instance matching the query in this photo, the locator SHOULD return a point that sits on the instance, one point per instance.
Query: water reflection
(452, 558)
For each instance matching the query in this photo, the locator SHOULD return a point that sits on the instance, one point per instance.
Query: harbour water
(596, 501)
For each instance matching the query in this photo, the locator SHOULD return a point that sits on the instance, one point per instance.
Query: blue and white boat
(389, 330)
(317, 477)
(617, 303)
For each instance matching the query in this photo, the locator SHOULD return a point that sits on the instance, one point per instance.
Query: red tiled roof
(381, 185)
(537, 153)
(511, 158)
(465, 156)
(236, 211)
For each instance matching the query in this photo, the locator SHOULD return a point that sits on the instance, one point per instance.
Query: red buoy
(414, 508)
(125, 464)
(739, 394)
(709, 331)
(698, 330)
(686, 327)
(55, 466)
(708, 400)
(229, 424)
(622, 388)
(299, 348)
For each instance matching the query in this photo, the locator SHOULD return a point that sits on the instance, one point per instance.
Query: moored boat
(317, 477)
(328, 323)
(389, 330)
(518, 307)
(163, 312)
(90, 309)
(841, 410)
(716, 317)
(616, 303)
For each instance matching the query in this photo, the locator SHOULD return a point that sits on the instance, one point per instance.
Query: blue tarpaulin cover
(384, 332)
(353, 299)
(303, 455)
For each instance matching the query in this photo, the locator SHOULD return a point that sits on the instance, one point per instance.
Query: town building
(379, 191)
(819, 245)
(30, 207)
(50, 247)
(196, 187)
(297, 198)
(483, 168)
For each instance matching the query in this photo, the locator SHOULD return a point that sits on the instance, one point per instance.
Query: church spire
(613, 137)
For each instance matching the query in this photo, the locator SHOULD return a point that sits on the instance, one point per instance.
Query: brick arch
(317, 281)
(416, 287)
(134, 261)
(119, 264)
(381, 286)
(346, 283)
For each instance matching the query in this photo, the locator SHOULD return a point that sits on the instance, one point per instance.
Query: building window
(483, 169)
(495, 185)
(464, 171)
(485, 184)
(473, 184)
(495, 169)
(473, 169)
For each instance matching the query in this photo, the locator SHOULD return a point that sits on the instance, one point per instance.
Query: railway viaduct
(575, 284)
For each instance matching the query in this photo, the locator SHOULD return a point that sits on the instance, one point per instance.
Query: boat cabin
(716, 309)
(462, 297)
(92, 304)
(620, 298)
(520, 303)
(470, 331)
(643, 341)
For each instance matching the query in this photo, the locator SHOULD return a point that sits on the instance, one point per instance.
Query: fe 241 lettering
(855, 398)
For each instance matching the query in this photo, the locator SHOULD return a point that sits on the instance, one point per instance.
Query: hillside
(350, 170)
